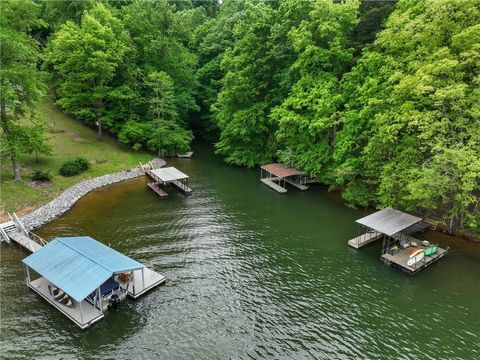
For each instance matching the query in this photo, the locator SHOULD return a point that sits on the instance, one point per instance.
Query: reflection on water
(251, 274)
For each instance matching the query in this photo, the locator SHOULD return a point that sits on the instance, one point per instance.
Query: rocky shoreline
(69, 197)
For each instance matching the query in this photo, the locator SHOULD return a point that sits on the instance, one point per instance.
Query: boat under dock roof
(77, 268)
(79, 265)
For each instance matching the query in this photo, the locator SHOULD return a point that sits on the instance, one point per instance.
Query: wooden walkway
(401, 258)
(25, 241)
(364, 239)
(270, 182)
(157, 189)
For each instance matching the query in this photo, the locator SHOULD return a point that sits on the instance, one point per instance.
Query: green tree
(163, 132)
(162, 105)
(20, 81)
(85, 59)
(34, 140)
(160, 37)
(410, 133)
(210, 42)
(307, 117)
(243, 105)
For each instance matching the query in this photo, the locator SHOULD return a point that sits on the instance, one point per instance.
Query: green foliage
(160, 36)
(410, 132)
(21, 83)
(307, 117)
(40, 175)
(74, 167)
(85, 59)
(34, 140)
(377, 99)
(211, 40)
(242, 107)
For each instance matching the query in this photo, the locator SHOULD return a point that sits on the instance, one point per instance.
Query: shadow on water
(251, 274)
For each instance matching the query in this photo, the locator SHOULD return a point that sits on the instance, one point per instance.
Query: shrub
(40, 175)
(74, 167)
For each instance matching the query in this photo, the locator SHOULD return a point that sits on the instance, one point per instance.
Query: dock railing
(18, 224)
(4, 235)
(37, 238)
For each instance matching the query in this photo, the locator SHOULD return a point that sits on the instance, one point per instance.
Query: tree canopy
(21, 83)
(378, 100)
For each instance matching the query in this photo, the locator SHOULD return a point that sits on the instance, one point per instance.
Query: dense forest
(379, 100)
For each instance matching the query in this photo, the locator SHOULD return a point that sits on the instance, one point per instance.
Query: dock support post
(28, 274)
(133, 282)
(99, 300)
(81, 311)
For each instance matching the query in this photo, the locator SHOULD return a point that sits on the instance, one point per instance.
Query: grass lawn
(69, 138)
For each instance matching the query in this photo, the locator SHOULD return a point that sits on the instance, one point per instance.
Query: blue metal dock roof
(79, 265)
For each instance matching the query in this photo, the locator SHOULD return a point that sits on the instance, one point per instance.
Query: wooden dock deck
(364, 239)
(270, 182)
(155, 187)
(170, 176)
(182, 187)
(90, 313)
(401, 258)
(152, 279)
(296, 184)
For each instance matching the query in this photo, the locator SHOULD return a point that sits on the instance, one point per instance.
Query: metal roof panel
(78, 265)
(169, 174)
(389, 221)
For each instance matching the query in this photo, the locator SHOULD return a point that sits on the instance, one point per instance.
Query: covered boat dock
(82, 278)
(277, 175)
(399, 247)
(165, 176)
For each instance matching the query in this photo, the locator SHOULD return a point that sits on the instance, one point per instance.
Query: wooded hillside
(379, 100)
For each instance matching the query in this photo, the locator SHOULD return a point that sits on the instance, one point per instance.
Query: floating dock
(276, 176)
(271, 182)
(83, 278)
(157, 189)
(79, 276)
(401, 258)
(364, 239)
(166, 176)
(187, 155)
(84, 319)
(399, 246)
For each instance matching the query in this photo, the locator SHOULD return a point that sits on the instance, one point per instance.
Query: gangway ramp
(15, 231)
(25, 241)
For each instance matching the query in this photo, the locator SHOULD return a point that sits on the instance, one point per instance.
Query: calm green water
(251, 275)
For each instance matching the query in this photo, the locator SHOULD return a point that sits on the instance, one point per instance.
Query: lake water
(251, 275)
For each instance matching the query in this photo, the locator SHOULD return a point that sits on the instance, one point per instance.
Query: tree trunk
(99, 122)
(8, 138)
(16, 169)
